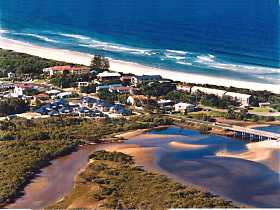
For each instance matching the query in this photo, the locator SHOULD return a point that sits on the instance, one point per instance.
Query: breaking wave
(174, 57)
(33, 35)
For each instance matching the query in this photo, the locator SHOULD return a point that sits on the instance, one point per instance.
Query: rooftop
(121, 88)
(65, 68)
(238, 95)
(109, 74)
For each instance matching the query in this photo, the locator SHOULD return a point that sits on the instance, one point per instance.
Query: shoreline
(145, 157)
(130, 67)
(260, 152)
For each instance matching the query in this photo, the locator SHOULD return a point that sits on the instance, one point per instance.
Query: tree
(99, 63)
(158, 89)
(230, 114)
(12, 106)
(106, 95)
(88, 89)
(21, 63)
(178, 96)
(243, 114)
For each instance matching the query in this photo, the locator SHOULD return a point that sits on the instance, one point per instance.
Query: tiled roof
(66, 68)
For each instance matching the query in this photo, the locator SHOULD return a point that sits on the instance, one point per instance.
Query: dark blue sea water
(236, 39)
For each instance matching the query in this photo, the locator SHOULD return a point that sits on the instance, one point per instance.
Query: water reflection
(241, 180)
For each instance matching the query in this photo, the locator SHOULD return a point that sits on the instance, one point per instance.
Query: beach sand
(179, 145)
(143, 156)
(263, 152)
(129, 67)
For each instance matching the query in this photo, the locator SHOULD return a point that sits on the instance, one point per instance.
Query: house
(107, 76)
(20, 89)
(83, 84)
(64, 95)
(184, 107)
(58, 107)
(107, 87)
(53, 92)
(66, 70)
(88, 102)
(137, 100)
(138, 80)
(122, 90)
(6, 86)
(183, 88)
(11, 75)
(119, 109)
(126, 79)
(39, 98)
(243, 99)
(209, 91)
(165, 105)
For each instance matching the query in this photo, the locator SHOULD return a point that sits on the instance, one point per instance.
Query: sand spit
(180, 145)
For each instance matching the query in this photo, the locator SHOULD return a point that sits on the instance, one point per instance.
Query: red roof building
(60, 70)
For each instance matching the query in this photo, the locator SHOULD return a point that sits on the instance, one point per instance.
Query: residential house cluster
(108, 109)
(62, 107)
(17, 90)
(87, 107)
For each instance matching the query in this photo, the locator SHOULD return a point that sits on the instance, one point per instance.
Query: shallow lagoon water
(243, 181)
(240, 180)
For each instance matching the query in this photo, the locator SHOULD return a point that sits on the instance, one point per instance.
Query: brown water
(54, 181)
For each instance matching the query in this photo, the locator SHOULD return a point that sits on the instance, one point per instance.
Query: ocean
(235, 39)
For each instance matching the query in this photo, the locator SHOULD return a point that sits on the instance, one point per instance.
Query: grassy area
(113, 181)
(262, 109)
(207, 113)
(28, 145)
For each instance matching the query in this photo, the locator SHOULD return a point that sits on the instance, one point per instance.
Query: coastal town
(96, 91)
(145, 105)
(70, 104)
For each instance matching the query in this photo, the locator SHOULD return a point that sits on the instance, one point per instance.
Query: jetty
(252, 134)
(240, 132)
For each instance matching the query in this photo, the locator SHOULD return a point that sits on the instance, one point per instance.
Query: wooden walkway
(253, 132)
(244, 132)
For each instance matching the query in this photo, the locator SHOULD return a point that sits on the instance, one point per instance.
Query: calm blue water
(247, 182)
(273, 128)
(228, 38)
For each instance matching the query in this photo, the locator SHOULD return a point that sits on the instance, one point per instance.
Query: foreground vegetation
(20, 160)
(28, 145)
(113, 181)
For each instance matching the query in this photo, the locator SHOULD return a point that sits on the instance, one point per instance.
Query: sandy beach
(128, 67)
(180, 145)
(263, 152)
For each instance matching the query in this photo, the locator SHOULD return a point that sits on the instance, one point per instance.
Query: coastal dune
(129, 67)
